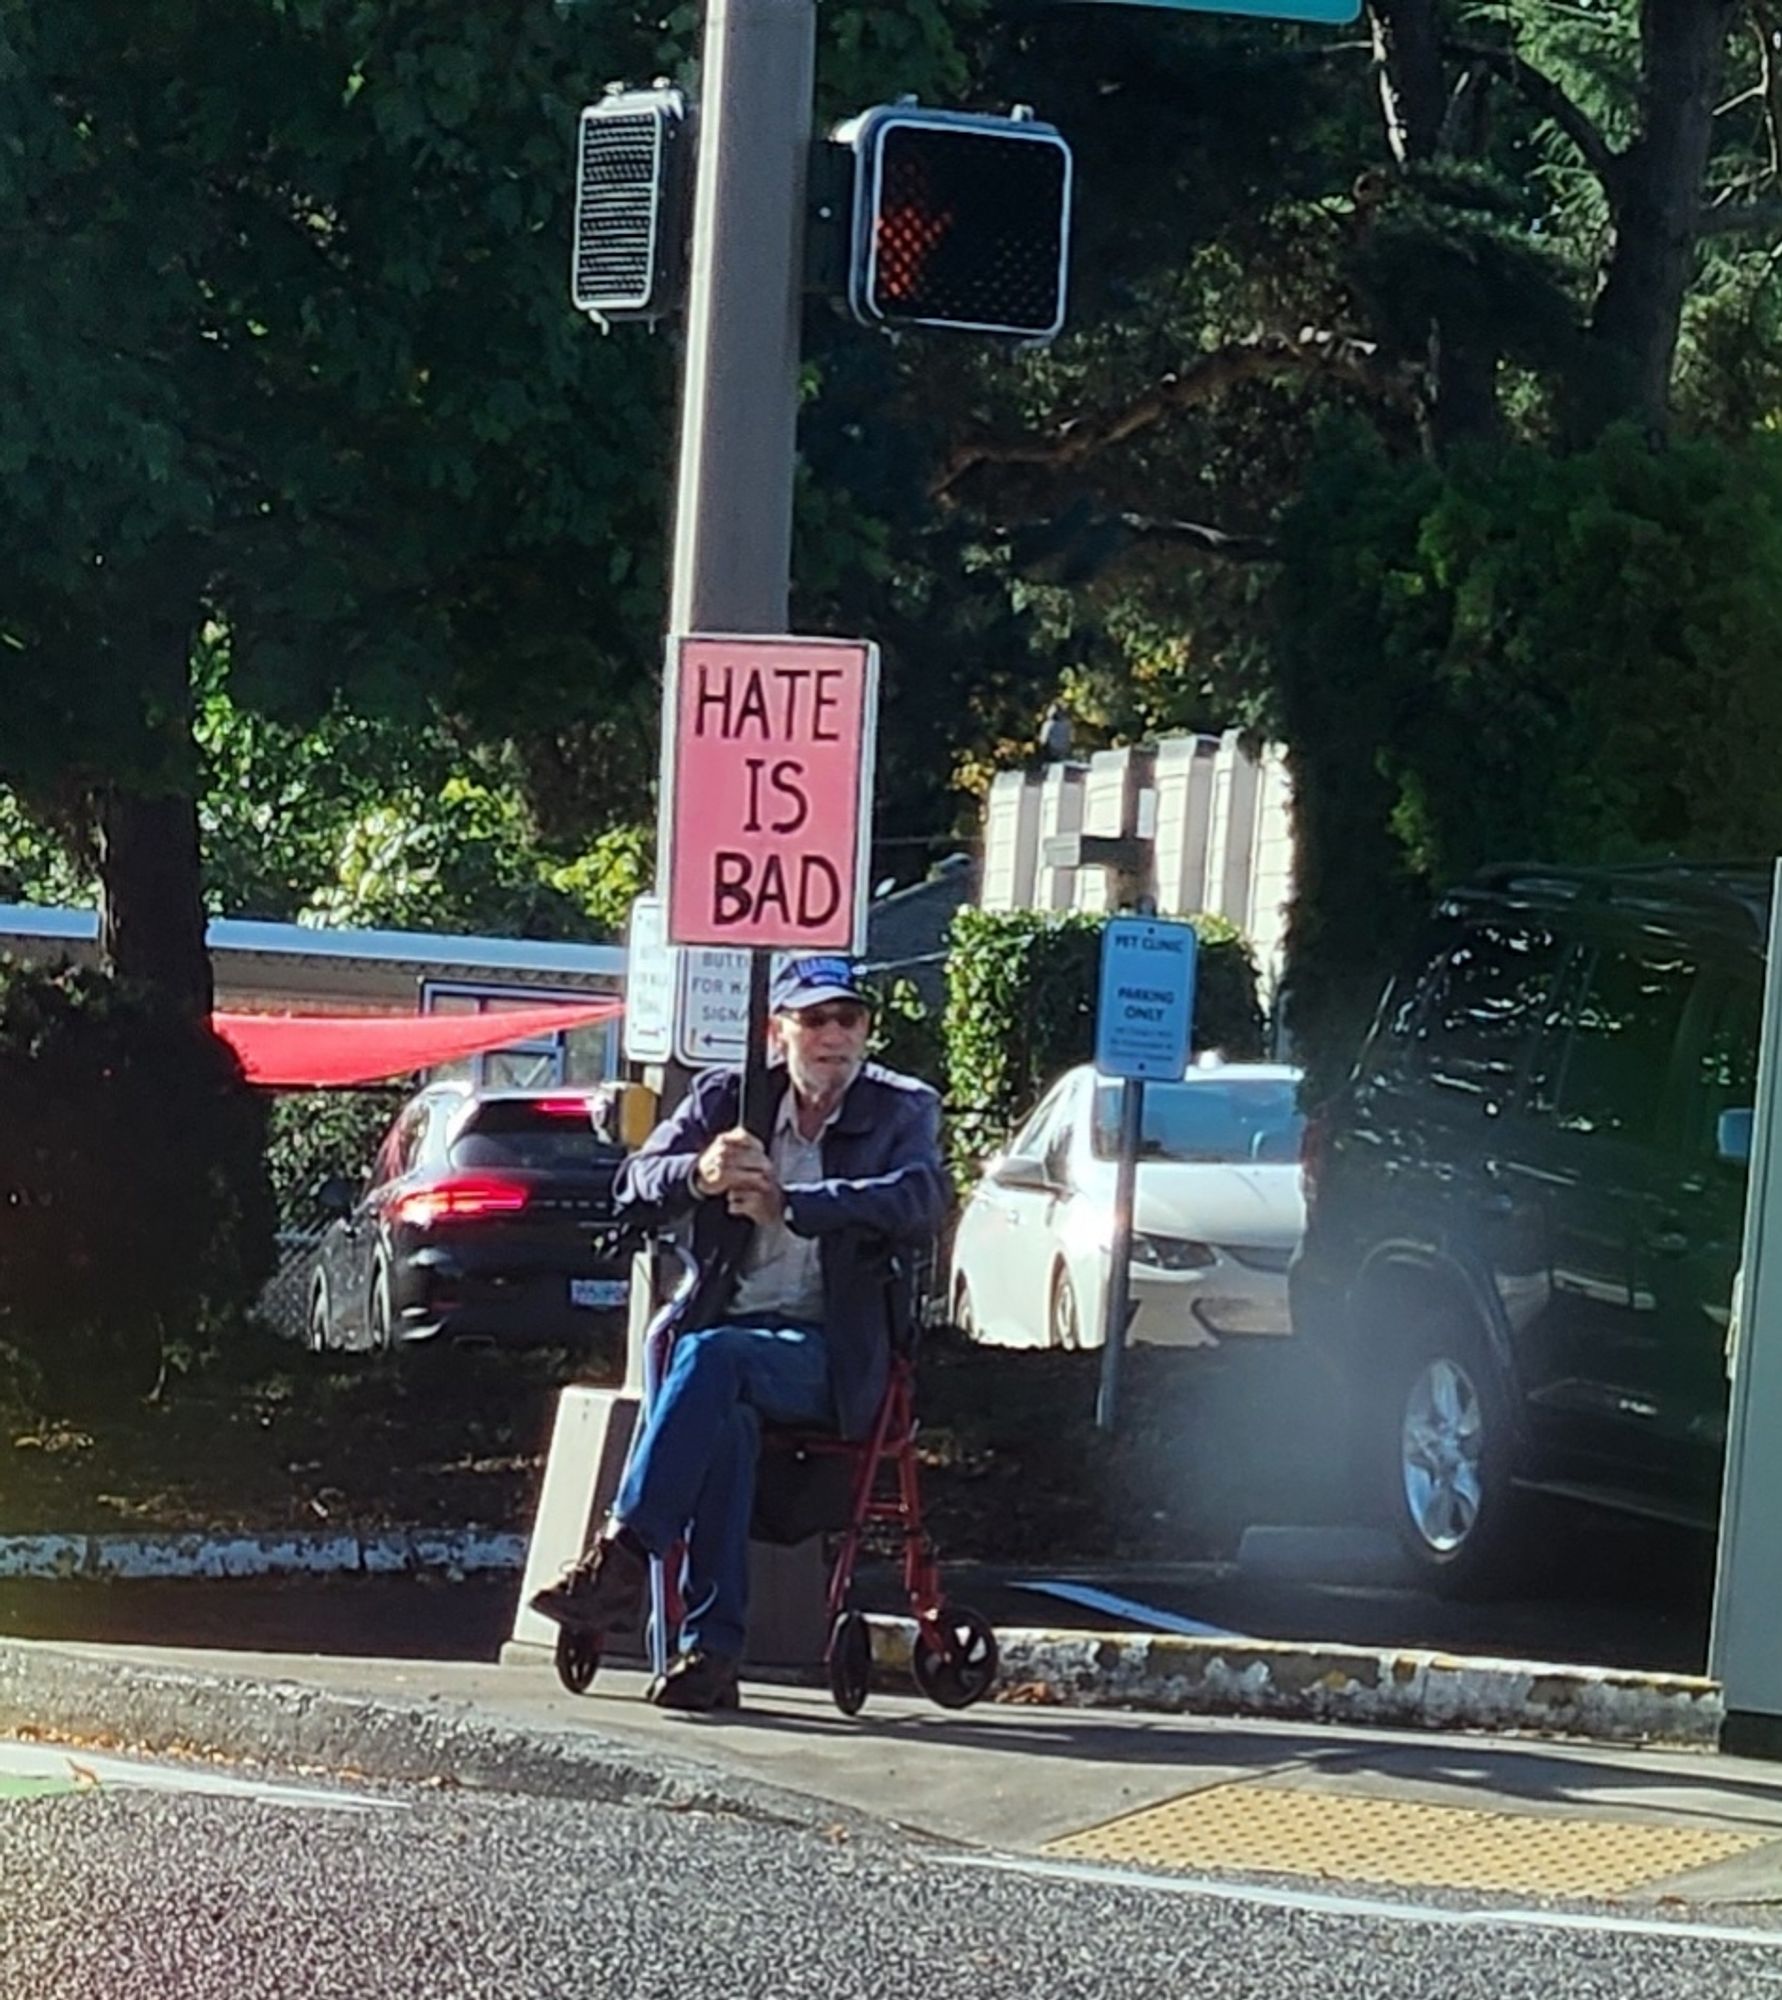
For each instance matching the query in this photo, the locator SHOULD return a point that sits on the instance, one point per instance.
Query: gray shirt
(782, 1272)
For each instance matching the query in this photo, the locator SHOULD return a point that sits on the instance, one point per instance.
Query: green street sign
(1332, 13)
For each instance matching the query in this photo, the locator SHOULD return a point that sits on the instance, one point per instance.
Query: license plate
(602, 1294)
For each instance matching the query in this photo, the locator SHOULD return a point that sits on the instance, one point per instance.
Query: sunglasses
(832, 1014)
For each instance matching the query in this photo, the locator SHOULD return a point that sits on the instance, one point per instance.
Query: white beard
(818, 1082)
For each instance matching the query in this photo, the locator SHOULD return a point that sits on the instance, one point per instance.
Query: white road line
(80, 1767)
(1320, 1904)
(1092, 1599)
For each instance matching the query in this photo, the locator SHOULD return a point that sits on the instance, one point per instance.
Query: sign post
(1143, 1027)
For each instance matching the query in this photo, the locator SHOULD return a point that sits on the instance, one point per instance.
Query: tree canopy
(1416, 411)
(1395, 356)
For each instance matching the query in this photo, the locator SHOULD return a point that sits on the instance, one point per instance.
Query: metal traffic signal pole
(732, 559)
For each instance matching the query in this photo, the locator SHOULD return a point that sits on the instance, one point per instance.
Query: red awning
(333, 1049)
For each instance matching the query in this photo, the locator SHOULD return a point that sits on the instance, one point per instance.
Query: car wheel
(379, 1318)
(1448, 1460)
(319, 1332)
(1064, 1322)
(962, 1314)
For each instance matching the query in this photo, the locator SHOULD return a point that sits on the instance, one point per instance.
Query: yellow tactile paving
(1271, 1828)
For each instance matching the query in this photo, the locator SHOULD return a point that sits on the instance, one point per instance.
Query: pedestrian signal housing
(960, 221)
(630, 224)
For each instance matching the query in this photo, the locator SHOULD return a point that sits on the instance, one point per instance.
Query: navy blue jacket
(883, 1189)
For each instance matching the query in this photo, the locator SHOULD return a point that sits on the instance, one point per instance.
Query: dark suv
(1524, 1209)
(487, 1217)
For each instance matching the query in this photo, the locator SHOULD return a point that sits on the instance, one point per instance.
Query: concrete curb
(94, 1698)
(452, 1552)
(1352, 1685)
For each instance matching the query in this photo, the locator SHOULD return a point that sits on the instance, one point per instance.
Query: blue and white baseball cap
(808, 982)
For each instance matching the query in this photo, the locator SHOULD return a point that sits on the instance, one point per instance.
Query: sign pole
(1116, 1303)
(731, 568)
(732, 557)
(754, 1076)
(1143, 1029)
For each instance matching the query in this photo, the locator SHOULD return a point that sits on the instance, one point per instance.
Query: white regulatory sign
(681, 1005)
(649, 984)
(712, 1014)
(1143, 1023)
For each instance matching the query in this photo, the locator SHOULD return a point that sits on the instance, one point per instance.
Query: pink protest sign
(767, 791)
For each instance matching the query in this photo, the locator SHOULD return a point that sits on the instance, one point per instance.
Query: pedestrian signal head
(960, 222)
(630, 218)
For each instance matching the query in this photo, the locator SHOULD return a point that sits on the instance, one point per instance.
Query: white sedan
(1217, 1218)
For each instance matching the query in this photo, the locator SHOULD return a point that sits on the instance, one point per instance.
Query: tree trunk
(1657, 203)
(1415, 100)
(151, 902)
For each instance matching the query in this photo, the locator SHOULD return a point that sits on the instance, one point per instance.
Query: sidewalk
(1218, 1796)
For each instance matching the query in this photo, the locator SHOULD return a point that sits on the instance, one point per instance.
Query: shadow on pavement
(1621, 1596)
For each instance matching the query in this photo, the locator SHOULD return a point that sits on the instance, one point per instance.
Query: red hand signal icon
(908, 236)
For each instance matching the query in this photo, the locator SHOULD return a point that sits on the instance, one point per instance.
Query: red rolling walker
(954, 1657)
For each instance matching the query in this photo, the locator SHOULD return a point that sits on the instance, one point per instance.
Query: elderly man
(789, 1322)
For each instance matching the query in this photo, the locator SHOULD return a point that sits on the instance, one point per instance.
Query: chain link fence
(284, 1303)
(314, 1135)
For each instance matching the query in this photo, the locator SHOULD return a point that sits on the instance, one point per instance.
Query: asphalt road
(143, 1897)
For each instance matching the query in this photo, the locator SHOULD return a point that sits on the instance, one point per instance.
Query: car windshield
(1238, 1118)
(517, 1132)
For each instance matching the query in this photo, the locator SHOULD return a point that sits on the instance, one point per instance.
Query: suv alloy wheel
(1445, 1454)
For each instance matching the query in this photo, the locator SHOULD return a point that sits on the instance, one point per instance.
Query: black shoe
(599, 1590)
(697, 1683)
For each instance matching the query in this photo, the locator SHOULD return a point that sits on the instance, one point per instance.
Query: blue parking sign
(1146, 1008)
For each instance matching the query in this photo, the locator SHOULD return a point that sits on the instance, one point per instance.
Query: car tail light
(565, 1107)
(1314, 1151)
(461, 1198)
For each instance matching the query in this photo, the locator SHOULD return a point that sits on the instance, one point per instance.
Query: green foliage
(36, 866)
(286, 335)
(135, 1218)
(284, 350)
(312, 1135)
(1520, 657)
(462, 860)
(1437, 291)
(606, 880)
(359, 820)
(281, 803)
(284, 353)
(1021, 993)
(906, 1033)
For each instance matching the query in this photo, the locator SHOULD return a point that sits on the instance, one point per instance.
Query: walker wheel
(955, 1661)
(578, 1659)
(849, 1661)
